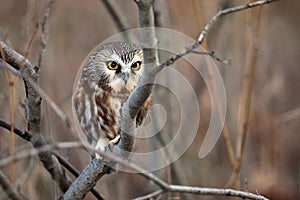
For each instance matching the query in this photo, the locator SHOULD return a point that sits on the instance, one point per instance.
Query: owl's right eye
(112, 65)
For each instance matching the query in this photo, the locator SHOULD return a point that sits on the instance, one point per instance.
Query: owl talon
(114, 141)
(102, 142)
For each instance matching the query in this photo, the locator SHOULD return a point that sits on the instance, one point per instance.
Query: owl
(108, 76)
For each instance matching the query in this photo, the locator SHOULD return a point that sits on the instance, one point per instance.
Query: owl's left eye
(136, 66)
(112, 65)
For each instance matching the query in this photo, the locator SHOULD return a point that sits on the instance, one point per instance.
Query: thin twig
(150, 176)
(212, 55)
(151, 195)
(179, 188)
(246, 99)
(15, 60)
(96, 169)
(27, 136)
(214, 94)
(44, 33)
(33, 114)
(38, 150)
(11, 191)
(209, 25)
(23, 134)
(117, 15)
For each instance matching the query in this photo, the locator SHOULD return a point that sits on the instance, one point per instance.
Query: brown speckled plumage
(100, 92)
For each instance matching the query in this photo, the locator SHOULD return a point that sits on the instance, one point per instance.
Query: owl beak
(125, 77)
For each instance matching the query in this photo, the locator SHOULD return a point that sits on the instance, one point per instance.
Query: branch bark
(49, 161)
(11, 192)
(27, 136)
(97, 168)
(116, 14)
(209, 25)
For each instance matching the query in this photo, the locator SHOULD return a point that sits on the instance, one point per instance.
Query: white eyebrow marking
(135, 59)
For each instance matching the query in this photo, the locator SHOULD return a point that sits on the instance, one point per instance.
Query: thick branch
(180, 188)
(49, 161)
(95, 165)
(96, 169)
(27, 136)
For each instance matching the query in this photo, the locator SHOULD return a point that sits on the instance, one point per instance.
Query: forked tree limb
(89, 177)
(165, 187)
(49, 161)
(209, 25)
(27, 137)
(96, 168)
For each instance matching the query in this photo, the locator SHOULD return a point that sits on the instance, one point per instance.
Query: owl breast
(108, 106)
(109, 74)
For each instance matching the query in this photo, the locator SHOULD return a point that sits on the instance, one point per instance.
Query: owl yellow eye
(112, 65)
(136, 66)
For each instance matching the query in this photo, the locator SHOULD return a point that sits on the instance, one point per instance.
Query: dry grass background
(271, 158)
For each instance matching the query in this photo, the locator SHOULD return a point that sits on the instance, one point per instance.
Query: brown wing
(106, 114)
(143, 112)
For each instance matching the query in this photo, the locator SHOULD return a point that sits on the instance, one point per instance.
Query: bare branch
(39, 150)
(97, 168)
(44, 34)
(179, 188)
(9, 189)
(246, 97)
(116, 14)
(212, 55)
(31, 77)
(151, 195)
(214, 191)
(27, 136)
(75, 172)
(162, 184)
(23, 134)
(97, 164)
(227, 11)
(209, 25)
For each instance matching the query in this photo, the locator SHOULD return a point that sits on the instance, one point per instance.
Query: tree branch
(209, 25)
(27, 136)
(180, 188)
(9, 189)
(44, 34)
(16, 62)
(165, 187)
(116, 14)
(23, 134)
(49, 161)
(97, 168)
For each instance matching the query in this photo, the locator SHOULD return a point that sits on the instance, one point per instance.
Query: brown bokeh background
(271, 159)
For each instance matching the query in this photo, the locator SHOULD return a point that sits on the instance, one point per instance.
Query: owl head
(117, 65)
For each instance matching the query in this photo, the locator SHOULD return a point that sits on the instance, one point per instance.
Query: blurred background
(268, 45)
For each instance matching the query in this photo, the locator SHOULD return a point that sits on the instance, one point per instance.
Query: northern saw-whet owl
(108, 76)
